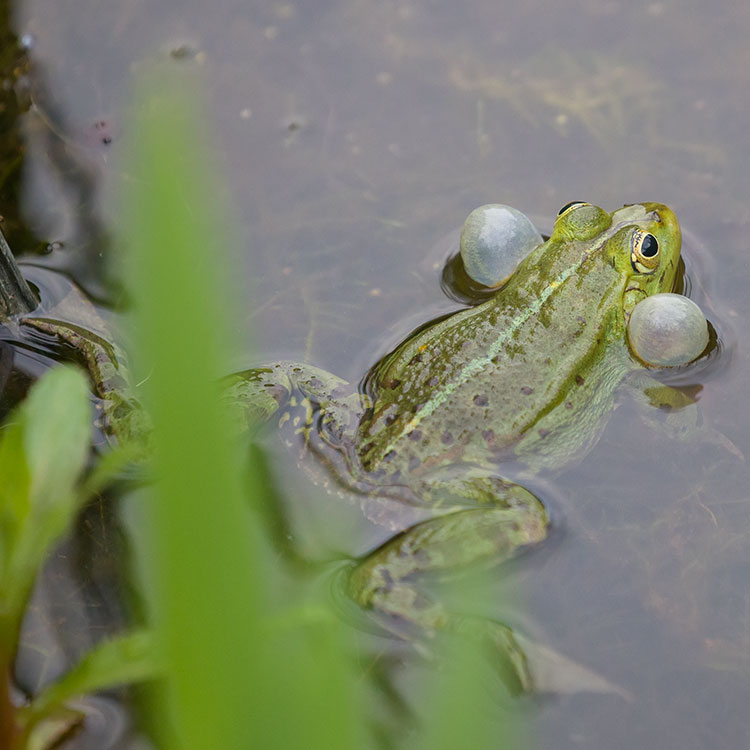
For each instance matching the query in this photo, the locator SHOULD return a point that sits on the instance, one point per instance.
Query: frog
(527, 378)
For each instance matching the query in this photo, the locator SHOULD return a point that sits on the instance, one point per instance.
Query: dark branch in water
(15, 296)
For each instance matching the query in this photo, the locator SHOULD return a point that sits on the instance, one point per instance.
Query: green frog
(525, 379)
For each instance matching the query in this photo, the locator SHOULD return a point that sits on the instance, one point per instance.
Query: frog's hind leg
(303, 401)
(387, 581)
(258, 394)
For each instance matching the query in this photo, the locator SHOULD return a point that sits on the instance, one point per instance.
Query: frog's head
(640, 241)
(644, 247)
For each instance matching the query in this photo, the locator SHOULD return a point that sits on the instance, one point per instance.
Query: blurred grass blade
(206, 614)
(230, 684)
(470, 705)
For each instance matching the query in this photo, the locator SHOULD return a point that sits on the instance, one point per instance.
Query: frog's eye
(570, 206)
(644, 252)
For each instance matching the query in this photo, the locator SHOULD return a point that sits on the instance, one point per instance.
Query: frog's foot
(296, 389)
(674, 412)
(122, 414)
(386, 581)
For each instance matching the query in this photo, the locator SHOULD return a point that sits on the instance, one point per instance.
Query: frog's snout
(664, 216)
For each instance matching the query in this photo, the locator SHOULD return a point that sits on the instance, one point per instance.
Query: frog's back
(478, 381)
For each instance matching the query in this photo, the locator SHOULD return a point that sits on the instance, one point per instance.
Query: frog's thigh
(448, 543)
(387, 580)
(257, 394)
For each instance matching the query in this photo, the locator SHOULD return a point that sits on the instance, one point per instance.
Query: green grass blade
(231, 684)
(206, 613)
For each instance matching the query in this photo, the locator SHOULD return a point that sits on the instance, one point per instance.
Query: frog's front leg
(386, 582)
(675, 413)
(122, 414)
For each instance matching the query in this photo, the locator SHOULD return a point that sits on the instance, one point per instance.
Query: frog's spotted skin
(527, 376)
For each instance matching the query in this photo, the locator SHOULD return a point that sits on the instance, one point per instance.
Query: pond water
(353, 139)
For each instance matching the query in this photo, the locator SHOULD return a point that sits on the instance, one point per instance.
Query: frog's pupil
(567, 206)
(650, 246)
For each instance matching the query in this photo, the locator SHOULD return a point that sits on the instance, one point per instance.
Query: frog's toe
(551, 672)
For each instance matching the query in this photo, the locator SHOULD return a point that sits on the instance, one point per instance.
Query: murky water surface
(354, 137)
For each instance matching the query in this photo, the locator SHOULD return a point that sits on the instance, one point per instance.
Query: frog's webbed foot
(122, 414)
(386, 582)
(509, 519)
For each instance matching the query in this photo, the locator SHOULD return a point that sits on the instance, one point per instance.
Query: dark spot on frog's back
(389, 456)
(393, 383)
(433, 381)
(527, 390)
(580, 380)
(446, 438)
(414, 435)
(416, 359)
(481, 400)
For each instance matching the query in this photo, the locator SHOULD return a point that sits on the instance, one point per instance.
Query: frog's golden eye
(570, 206)
(644, 252)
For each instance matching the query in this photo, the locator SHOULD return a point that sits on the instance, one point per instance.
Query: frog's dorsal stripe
(475, 366)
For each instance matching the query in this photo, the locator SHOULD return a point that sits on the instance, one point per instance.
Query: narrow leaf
(121, 660)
